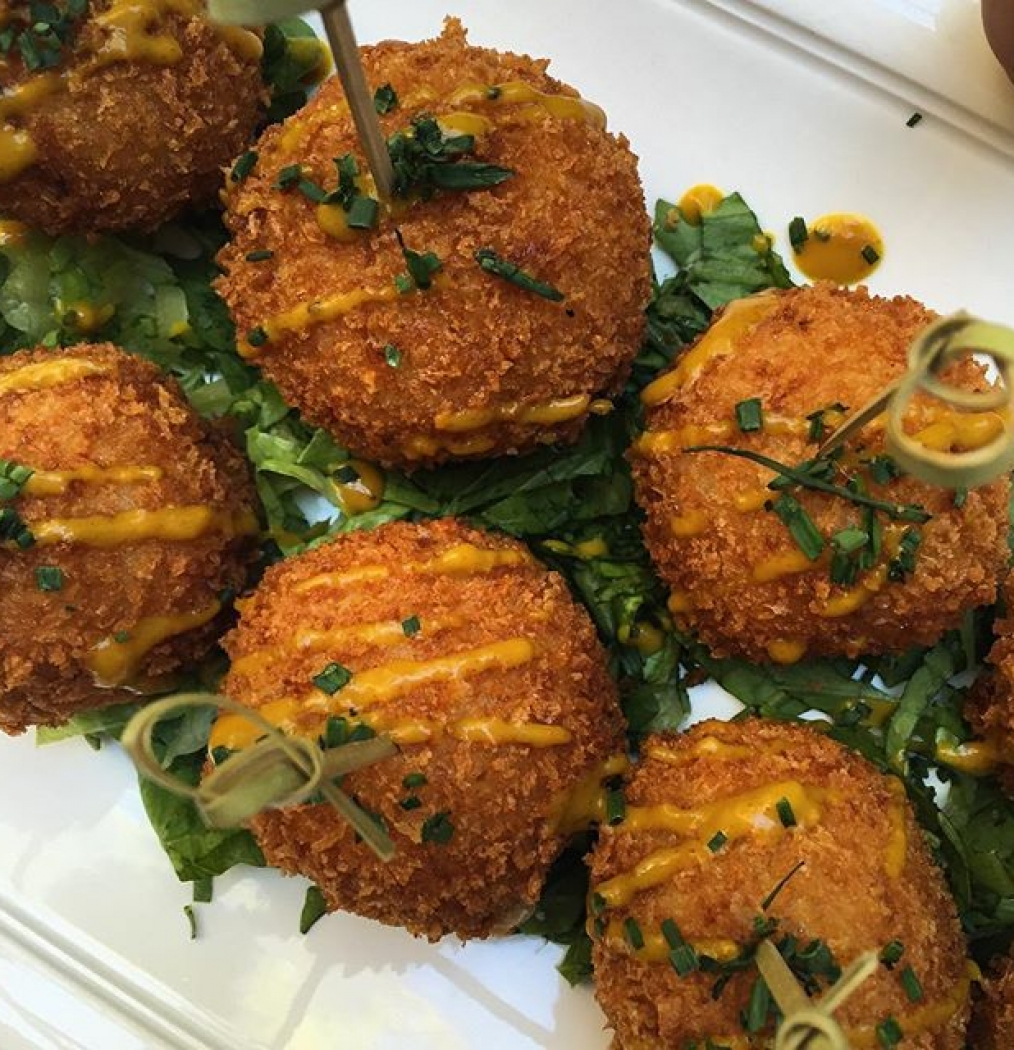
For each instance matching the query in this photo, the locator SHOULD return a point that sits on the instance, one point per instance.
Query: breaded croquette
(118, 114)
(475, 659)
(777, 573)
(737, 831)
(126, 521)
(992, 1025)
(447, 322)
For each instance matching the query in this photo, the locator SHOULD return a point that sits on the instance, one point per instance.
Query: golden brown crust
(845, 894)
(572, 215)
(992, 1026)
(129, 145)
(129, 414)
(500, 799)
(819, 346)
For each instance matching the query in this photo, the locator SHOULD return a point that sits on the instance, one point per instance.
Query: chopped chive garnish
(682, 956)
(891, 953)
(261, 255)
(332, 678)
(913, 120)
(758, 1006)
(495, 264)
(392, 355)
(257, 336)
(632, 931)
(493, 93)
(717, 841)
(48, 578)
(121, 637)
(411, 781)
(314, 908)
(844, 570)
(385, 99)
(346, 474)
(309, 189)
(903, 564)
(411, 626)
(421, 265)
(780, 885)
(870, 254)
(243, 166)
(750, 415)
(960, 496)
(363, 213)
(188, 911)
(883, 469)
(598, 903)
(220, 754)
(410, 803)
(616, 806)
(14, 530)
(911, 984)
(785, 813)
(438, 828)
(849, 540)
(288, 177)
(403, 283)
(13, 478)
(798, 233)
(799, 523)
(889, 1033)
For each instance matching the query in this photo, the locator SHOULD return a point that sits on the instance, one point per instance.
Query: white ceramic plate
(800, 106)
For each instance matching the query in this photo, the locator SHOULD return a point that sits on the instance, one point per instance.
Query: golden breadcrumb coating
(572, 216)
(866, 880)
(111, 438)
(502, 799)
(737, 575)
(992, 1025)
(127, 144)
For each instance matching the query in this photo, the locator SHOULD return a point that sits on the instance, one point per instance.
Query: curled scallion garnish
(278, 770)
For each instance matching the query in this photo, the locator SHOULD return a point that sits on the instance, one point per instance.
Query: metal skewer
(347, 60)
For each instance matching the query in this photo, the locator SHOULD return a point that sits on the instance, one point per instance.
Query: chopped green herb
(493, 92)
(243, 166)
(421, 266)
(870, 254)
(261, 255)
(750, 415)
(411, 802)
(413, 780)
(438, 828)
(889, 1033)
(785, 813)
(717, 841)
(799, 523)
(411, 626)
(616, 806)
(403, 283)
(891, 953)
(598, 904)
(758, 1006)
(392, 355)
(288, 177)
(817, 424)
(314, 908)
(13, 478)
(385, 99)
(850, 540)
(903, 564)
(493, 263)
(798, 233)
(682, 956)
(257, 336)
(780, 885)
(188, 911)
(632, 931)
(363, 213)
(883, 469)
(220, 754)
(913, 120)
(911, 984)
(14, 530)
(332, 678)
(49, 578)
(121, 637)
(311, 190)
(960, 498)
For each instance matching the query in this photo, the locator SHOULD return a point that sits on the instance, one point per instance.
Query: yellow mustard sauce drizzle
(748, 814)
(708, 433)
(382, 633)
(47, 374)
(174, 524)
(56, 482)
(645, 637)
(786, 563)
(373, 687)
(128, 34)
(114, 662)
(544, 413)
(422, 446)
(834, 249)
(786, 651)
(463, 559)
(696, 202)
(738, 318)
(713, 749)
(494, 732)
(977, 758)
(691, 523)
(657, 949)
(85, 317)
(585, 803)
(363, 494)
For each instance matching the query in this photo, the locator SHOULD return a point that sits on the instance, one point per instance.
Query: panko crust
(573, 216)
(131, 144)
(844, 895)
(127, 414)
(992, 1025)
(817, 346)
(500, 799)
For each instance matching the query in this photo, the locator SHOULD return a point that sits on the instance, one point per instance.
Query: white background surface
(799, 105)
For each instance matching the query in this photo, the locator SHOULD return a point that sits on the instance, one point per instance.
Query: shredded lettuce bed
(573, 506)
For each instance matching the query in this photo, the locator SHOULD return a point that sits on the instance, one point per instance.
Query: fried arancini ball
(475, 365)
(990, 704)
(127, 114)
(721, 539)
(992, 1025)
(478, 662)
(715, 820)
(139, 518)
